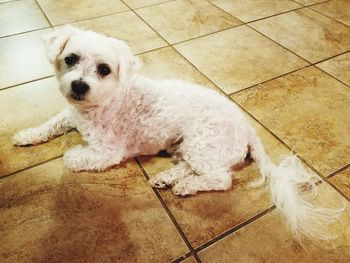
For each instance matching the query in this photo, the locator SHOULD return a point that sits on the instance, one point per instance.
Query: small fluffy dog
(121, 115)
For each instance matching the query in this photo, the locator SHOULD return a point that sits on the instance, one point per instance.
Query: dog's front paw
(73, 159)
(25, 137)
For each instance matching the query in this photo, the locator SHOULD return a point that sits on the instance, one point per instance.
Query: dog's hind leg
(170, 176)
(192, 184)
(210, 154)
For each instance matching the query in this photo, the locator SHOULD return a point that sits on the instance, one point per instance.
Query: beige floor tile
(21, 16)
(49, 214)
(209, 214)
(65, 11)
(137, 34)
(167, 63)
(27, 106)
(266, 240)
(309, 110)
(189, 260)
(23, 59)
(307, 33)
(337, 9)
(238, 58)
(342, 181)
(338, 67)
(142, 3)
(310, 2)
(251, 10)
(184, 19)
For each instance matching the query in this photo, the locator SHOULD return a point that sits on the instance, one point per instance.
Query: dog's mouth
(76, 97)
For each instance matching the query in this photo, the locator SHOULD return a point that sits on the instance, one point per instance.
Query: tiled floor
(285, 62)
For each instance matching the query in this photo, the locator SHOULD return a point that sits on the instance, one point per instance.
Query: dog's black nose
(79, 87)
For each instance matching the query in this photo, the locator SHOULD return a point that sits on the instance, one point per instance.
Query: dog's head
(91, 68)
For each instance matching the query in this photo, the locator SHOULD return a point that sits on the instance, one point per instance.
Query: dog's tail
(289, 184)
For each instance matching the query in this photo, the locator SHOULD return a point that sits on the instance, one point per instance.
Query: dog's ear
(56, 41)
(128, 65)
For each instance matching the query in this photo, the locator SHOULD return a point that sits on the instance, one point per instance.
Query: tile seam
(168, 212)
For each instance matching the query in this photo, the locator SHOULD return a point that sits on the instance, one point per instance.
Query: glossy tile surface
(51, 214)
(142, 3)
(167, 63)
(234, 61)
(137, 34)
(307, 33)
(310, 2)
(252, 10)
(30, 105)
(337, 9)
(207, 215)
(342, 182)
(65, 11)
(185, 19)
(309, 110)
(23, 59)
(339, 67)
(267, 240)
(28, 16)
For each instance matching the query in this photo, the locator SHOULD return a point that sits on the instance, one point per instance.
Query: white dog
(121, 115)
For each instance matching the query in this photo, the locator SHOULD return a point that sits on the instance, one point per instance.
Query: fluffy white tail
(290, 184)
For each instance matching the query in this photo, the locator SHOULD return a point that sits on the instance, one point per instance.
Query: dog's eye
(71, 60)
(103, 69)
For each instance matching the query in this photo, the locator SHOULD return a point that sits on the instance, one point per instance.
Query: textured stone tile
(189, 260)
(251, 10)
(23, 59)
(238, 58)
(338, 67)
(310, 2)
(142, 3)
(307, 33)
(27, 106)
(342, 181)
(137, 34)
(208, 214)
(20, 16)
(337, 9)
(266, 240)
(308, 110)
(49, 214)
(184, 19)
(66, 11)
(166, 63)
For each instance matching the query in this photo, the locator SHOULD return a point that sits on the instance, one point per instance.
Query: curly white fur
(124, 115)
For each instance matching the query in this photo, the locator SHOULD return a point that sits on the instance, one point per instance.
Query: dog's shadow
(86, 221)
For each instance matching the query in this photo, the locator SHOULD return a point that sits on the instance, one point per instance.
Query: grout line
(140, 7)
(91, 18)
(316, 11)
(46, 17)
(23, 83)
(181, 258)
(9, 1)
(24, 32)
(306, 5)
(338, 190)
(338, 171)
(265, 81)
(170, 215)
(29, 167)
(234, 229)
(285, 74)
(278, 44)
